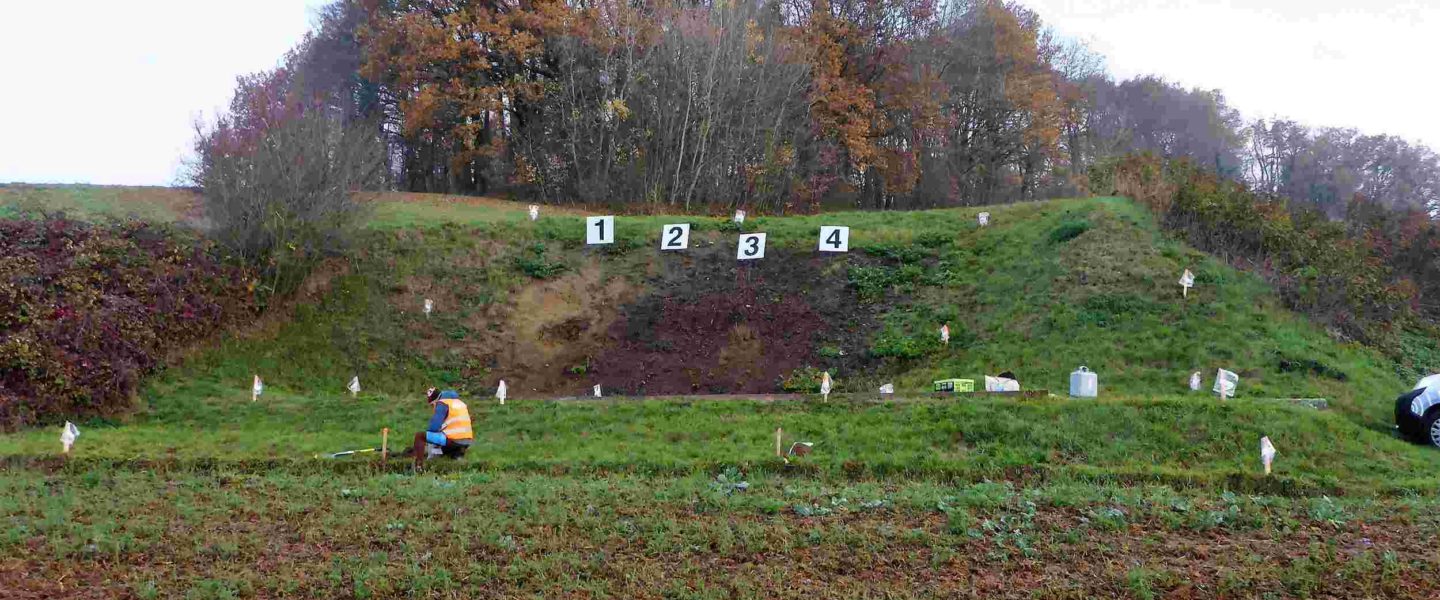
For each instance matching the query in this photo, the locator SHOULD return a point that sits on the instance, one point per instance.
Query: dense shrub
(1317, 267)
(86, 310)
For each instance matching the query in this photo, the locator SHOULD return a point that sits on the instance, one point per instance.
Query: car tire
(1430, 433)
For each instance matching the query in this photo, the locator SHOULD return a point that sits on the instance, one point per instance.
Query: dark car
(1417, 412)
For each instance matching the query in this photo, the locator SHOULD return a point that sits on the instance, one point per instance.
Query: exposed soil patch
(713, 325)
(544, 340)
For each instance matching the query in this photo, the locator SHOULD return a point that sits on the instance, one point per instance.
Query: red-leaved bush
(86, 310)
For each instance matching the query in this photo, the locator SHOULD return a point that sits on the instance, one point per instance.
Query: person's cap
(431, 394)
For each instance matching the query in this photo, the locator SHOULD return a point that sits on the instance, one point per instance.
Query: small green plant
(532, 262)
(806, 380)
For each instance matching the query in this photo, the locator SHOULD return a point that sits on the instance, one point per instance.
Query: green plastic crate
(959, 386)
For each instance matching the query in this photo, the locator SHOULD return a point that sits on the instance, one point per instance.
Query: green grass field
(1150, 491)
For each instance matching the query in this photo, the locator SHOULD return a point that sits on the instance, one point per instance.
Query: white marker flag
(1195, 381)
(68, 434)
(1267, 453)
(1225, 383)
(256, 388)
(500, 392)
(834, 238)
(597, 390)
(1187, 281)
(675, 236)
(984, 219)
(945, 334)
(751, 246)
(825, 385)
(534, 211)
(739, 216)
(429, 306)
(354, 386)
(599, 230)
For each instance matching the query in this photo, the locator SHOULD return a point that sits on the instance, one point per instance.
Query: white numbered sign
(752, 246)
(599, 230)
(675, 237)
(834, 238)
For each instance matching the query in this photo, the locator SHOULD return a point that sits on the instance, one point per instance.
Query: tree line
(789, 105)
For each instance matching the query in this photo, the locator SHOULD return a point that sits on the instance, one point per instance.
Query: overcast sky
(104, 91)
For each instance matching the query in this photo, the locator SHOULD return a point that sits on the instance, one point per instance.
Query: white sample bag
(429, 306)
(1267, 453)
(1001, 384)
(597, 390)
(534, 212)
(945, 334)
(739, 216)
(1084, 383)
(257, 388)
(500, 392)
(354, 386)
(825, 384)
(1195, 381)
(984, 219)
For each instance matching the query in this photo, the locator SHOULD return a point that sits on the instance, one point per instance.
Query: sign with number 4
(834, 238)
(675, 237)
(752, 246)
(599, 230)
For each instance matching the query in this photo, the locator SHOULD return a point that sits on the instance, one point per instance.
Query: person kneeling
(449, 432)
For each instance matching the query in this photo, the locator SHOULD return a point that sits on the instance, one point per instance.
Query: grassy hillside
(1150, 491)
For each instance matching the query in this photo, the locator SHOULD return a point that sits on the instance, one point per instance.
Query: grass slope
(1147, 492)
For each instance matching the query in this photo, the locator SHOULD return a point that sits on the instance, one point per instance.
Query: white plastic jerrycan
(1084, 383)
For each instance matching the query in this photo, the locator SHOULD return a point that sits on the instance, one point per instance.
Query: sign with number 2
(752, 246)
(675, 237)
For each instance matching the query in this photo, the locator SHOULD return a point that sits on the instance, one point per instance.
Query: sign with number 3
(675, 237)
(752, 246)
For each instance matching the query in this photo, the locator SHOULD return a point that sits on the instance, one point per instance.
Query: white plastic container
(1084, 383)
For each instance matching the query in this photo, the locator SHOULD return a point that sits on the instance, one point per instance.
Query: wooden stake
(778, 432)
(1186, 293)
(385, 444)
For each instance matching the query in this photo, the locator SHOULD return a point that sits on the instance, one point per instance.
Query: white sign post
(1225, 383)
(1267, 453)
(984, 219)
(500, 392)
(1187, 281)
(675, 236)
(751, 246)
(599, 230)
(834, 238)
(256, 389)
(354, 386)
(534, 212)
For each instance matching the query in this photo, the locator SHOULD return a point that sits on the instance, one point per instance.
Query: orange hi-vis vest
(457, 421)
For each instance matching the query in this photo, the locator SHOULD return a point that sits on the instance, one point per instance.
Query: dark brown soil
(711, 324)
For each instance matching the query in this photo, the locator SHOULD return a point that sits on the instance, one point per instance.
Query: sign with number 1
(752, 246)
(834, 238)
(599, 230)
(675, 236)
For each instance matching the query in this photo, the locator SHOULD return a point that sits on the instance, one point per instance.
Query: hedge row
(86, 310)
